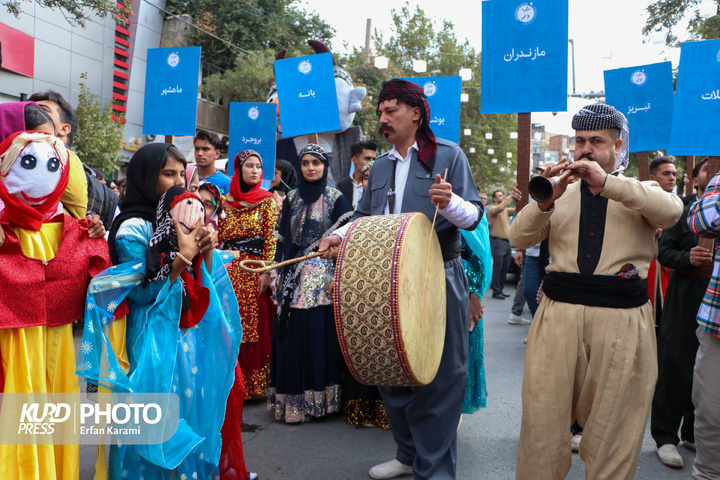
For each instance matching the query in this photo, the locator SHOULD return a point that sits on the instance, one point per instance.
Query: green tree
(97, 142)
(664, 16)
(74, 11)
(414, 36)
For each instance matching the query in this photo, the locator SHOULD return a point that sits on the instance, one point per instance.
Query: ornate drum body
(387, 335)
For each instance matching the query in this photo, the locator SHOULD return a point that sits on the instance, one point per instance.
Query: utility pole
(368, 32)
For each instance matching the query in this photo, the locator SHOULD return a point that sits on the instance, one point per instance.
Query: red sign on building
(17, 51)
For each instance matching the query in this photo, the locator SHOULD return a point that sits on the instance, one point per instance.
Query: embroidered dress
(249, 231)
(306, 363)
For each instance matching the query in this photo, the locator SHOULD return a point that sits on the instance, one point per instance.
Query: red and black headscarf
(241, 191)
(413, 95)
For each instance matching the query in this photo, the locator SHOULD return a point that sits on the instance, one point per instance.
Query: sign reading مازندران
(644, 94)
(306, 95)
(171, 90)
(524, 56)
(696, 115)
(252, 127)
(443, 94)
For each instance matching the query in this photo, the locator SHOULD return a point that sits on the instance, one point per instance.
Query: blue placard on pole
(696, 115)
(252, 127)
(443, 94)
(172, 76)
(524, 56)
(306, 95)
(644, 94)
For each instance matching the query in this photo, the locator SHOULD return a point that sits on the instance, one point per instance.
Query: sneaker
(669, 456)
(518, 320)
(391, 469)
(689, 445)
(575, 442)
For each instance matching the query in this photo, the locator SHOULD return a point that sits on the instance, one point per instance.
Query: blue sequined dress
(306, 362)
(477, 262)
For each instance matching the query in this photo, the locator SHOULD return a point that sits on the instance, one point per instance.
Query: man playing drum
(409, 178)
(591, 352)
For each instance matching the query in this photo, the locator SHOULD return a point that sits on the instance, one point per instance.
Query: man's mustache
(587, 156)
(386, 128)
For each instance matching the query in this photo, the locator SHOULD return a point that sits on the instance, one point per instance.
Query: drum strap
(391, 192)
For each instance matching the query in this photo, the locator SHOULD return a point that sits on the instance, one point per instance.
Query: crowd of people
(156, 279)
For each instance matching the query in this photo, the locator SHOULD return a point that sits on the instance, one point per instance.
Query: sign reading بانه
(252, 127)
(306, 95)
(443, 94)
(644, 94)
(696, 115)
(524, 56)
(172, 77)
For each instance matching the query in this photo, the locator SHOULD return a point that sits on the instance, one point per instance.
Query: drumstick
(427, 257)
(266, 267)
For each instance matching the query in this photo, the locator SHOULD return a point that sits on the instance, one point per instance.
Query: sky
(607, 35)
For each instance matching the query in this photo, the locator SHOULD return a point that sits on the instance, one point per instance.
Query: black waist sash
(250, 245)
(595, 290)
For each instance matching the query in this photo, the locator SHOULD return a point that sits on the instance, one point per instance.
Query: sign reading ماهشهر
(696, 114)
(306, 95)
(171, 91)
(252, 127)
(524, 56)
(644, 94)
(443, 94)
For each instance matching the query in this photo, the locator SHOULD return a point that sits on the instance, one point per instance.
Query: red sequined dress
(250, 232)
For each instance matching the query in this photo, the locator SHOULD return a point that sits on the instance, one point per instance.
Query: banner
(644, 94)
(524, 56)
(252, 127)
(172, 77)
(306, 95)
(696, 115)
(443, 94)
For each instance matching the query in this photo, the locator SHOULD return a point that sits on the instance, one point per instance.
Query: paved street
(330, 449)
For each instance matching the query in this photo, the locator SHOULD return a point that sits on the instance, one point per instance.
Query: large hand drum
(391, 331)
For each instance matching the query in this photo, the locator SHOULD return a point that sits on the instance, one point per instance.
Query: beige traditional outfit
(590, 355)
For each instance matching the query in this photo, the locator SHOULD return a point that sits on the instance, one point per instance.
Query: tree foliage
(74, 11)
(98, 138)
(665, 15)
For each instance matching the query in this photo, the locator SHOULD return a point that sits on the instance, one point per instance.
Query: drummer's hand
(264, 283)
(476, 310)
(96, 228)
(330, 245)
(440, 192)
(559, 189)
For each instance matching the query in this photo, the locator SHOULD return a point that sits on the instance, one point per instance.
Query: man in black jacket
(352, 187)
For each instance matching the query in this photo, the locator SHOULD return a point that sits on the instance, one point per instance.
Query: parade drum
(390, 332)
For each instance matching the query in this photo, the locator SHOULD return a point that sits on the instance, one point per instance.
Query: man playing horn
(591, 351)
(409, 178)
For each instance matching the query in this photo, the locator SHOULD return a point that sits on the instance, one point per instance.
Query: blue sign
(644, 94)
(306, 95)
(172, 76)
(696, 116)
(443, 94)
(524, 56)
(252, 127)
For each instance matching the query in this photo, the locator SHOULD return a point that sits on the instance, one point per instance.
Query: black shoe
(499, 296)
(504, 294)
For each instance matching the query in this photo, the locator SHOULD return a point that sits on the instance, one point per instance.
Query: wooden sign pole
(523, 157)
(643, 166)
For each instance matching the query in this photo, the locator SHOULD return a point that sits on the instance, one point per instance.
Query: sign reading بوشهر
(524, 56)
(252, 127)
(696, 114)
(306, 95)
(443, 94)
(172, 77)
(644, 94)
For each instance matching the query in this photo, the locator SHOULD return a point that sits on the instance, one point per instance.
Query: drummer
(409, 178)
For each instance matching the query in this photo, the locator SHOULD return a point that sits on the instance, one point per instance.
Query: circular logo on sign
(304, 67)
(430, 89)
(253, 113)
(525, 13)
(638, 77)
(173, 59)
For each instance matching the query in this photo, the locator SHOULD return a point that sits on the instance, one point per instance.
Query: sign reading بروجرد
(252, 127)
(644, 94)
(524, 56)
(172, 77)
